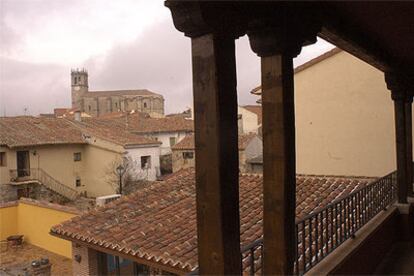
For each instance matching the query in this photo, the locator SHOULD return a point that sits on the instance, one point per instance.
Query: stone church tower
(79, 83)
(97, 103)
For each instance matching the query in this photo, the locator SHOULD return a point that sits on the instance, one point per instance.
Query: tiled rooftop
(158, 223)
(31, 131)
(188, 143)
(112, 131)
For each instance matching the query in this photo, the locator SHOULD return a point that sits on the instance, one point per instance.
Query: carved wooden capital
(401, 85)
(286, 31)
(197, 18)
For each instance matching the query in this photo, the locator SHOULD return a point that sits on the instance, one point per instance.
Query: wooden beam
(279, 182)
(409, 137)
(217, 162)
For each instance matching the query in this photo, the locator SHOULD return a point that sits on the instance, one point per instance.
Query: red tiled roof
(32, 131)
(187, 143)
(257, 109)
(141, 123)
(113, 132)
(59, 112)
(158, 223)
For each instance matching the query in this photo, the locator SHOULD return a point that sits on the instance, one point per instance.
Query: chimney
(78, 116)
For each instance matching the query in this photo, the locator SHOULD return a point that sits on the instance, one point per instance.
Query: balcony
(368, 220)
(25, 176)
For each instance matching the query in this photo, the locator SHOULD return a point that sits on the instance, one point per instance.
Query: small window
(78, 182)
(75, 80)
(145, 105)
(77, 156)
(116, 104)
(188, 155)
(172, 141)
(3, 159)
(89, 107)
(145, 162)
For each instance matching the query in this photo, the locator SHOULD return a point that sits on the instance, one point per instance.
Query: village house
(153, 231)
(70, 157)
(249, 118)
(183, 153)
(335, 124)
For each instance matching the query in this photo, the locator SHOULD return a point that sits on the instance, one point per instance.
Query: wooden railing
(45, 179)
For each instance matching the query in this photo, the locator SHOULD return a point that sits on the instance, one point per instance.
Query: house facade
(68, 157)
(183, 153)
(337, 131)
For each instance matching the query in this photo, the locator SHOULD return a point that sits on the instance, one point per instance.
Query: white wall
(249, 119)
(164, 138)
(136, 153)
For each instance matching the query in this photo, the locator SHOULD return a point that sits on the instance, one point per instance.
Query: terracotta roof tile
(187, 143)
(31, 131)
(158, 223)
(141, 123)
(112, 131)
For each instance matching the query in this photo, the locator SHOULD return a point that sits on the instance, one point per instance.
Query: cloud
(37, 87)
(154, 56)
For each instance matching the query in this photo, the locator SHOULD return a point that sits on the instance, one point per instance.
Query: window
(78, 182)
(77, 156)
(89, 107)
(145, 105)
(3, 159)
(172, 141)
(188, 155)
(145, 162)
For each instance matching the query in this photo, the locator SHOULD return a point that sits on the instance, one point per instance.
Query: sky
(124, 44)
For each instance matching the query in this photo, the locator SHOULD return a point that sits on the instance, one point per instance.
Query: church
(97, 103)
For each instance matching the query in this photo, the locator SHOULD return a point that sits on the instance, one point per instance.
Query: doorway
(23, 163)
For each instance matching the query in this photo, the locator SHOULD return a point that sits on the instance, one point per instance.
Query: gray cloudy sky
(124, 44)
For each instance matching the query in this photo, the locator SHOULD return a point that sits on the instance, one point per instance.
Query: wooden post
(401, 149)
(217, 163)
(402, 86)
(277, 41)
(279, 180)
(409, 137)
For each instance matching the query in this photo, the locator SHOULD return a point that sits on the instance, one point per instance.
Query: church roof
(158, 223)
(108, 93)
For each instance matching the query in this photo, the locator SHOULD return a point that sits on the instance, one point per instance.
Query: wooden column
(409, 136)
(401, 87)
(277, 41)
(217, 162)
(279, 180)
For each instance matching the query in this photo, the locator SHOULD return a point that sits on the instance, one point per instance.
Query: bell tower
(79, 83)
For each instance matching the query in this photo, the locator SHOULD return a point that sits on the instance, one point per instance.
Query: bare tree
(133, 177)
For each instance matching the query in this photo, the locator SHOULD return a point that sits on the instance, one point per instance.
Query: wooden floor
(17, 257)
(399, 261)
